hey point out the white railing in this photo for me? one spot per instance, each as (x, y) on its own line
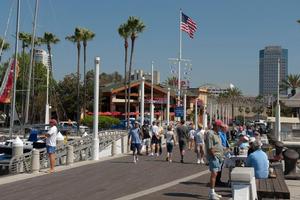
(82, 151)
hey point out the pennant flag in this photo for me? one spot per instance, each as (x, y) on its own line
(188, 25)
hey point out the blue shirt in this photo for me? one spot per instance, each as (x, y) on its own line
(134, 134)
(259, 161)
(223, 139)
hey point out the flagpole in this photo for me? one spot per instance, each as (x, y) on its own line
(179, 59)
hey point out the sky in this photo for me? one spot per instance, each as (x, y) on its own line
(224, 50)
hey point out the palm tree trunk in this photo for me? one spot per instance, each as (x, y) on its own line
(84, 78)
(125, 81)
(78, 83)
(129, 79)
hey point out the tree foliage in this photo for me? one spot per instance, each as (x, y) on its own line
(292, 82)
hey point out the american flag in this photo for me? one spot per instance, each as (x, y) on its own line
(188, 25)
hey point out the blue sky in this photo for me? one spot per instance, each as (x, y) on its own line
(224, 50)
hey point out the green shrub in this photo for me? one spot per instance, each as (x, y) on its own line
(104, 121)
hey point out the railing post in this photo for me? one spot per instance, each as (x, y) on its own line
(35, 162)
(123, 145)
(113, 147)
(17, 150)
(70, 155)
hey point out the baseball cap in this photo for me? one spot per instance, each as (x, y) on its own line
(53, 121)
(218, 122)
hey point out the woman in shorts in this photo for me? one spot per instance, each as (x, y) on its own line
(170, 140)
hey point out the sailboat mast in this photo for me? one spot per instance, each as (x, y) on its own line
(13, 99)
(31, 63)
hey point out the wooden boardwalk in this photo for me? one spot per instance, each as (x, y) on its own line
(150, 178)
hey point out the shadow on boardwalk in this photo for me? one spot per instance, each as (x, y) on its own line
(116, 178)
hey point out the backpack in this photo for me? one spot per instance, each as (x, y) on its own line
(145, 131)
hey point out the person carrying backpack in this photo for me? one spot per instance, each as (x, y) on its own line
(146, 136)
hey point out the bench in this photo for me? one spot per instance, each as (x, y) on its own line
(273, 187)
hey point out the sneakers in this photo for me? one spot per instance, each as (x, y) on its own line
(198, 161)
(134, 160)
(214, 196)
(170, 161)
(151, 154)
(202, 161)
(157, 154)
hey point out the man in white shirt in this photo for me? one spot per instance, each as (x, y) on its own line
(51, 143)
(155, 139)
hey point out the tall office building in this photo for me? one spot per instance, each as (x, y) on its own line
(41, 56)
(268, 69)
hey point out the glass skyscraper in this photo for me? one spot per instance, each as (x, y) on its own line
(268, 69)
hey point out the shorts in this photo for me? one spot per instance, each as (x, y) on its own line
(215, 165)
(135, 146)
(170, 147)
(147, 141)
(50, 149)
(198, 148)
(182, 145)
(154, 140)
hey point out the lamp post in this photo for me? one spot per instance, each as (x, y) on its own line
(151, 101)
(168, 107)
(47, 99)
(278, 125)
(142, 100)
(196, 114)
(95, 155)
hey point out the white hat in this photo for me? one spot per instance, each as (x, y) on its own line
(252, 139)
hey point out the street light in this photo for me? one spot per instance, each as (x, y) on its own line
(278, 125)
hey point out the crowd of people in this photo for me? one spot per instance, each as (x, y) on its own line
(211, 146)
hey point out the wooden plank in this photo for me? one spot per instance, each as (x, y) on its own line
(284, 191)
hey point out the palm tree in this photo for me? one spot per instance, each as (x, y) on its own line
(292, 82)
(48, 39)
(77, 38)
(124, 33)
(233, 94)
(135, 26)
(87, 35)
(26, 39)
(3, 47)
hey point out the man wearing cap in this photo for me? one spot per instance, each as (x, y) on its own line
(222, 133)
(258, 160)
(214, 151)
(51, 143)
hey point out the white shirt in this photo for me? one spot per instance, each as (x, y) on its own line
(155, 130)
(170, 137)
(51, 140)
(199, 135)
